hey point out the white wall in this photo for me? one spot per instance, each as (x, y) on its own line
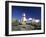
(2, 18)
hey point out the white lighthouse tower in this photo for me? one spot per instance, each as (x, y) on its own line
(23, 19)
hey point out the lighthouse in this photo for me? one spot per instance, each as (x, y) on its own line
(23, 19)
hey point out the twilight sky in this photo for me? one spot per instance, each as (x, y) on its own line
(33, 12)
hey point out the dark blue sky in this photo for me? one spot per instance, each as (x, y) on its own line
(33, 12)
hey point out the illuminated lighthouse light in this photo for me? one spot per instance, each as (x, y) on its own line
(23, 14)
